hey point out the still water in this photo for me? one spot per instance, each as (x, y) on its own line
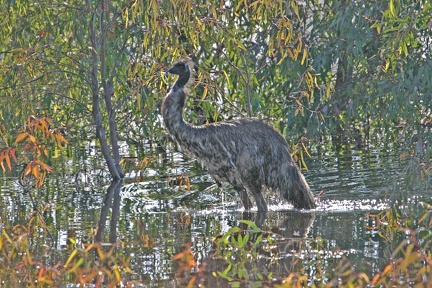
(167, 201)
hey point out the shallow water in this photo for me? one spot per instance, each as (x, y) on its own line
(173, 201)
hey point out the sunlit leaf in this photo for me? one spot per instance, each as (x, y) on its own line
(408, 260)
(32, 139)
(44, 166)
(117, 274)
(71, 256)
(28, 169)
(252, 225)
(2, 165)
(21, 137)
(77, 265)
(36, 171)
(8, 162)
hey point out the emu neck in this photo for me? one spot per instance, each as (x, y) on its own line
(181, 81)
(172, 112)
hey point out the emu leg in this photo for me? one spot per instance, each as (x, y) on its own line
(247, 204)
(260, 201)
(259, 197)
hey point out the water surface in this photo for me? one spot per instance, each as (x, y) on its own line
(171, 201)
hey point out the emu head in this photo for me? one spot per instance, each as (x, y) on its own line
(181, 69)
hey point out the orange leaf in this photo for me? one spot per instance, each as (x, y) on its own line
(388, 268)
(28, 169)
(375, 279)
(41, 272)
(48, 121)
(42, 126)
(44, 166)
(1, 163)
(179, 255)
(45, 150)
(60, 139)
(12, 153)
(36, 171)
(8, 161)
(21, 137)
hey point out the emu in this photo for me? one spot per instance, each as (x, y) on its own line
(247, 153)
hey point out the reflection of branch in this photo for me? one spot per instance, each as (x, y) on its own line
(113, 191)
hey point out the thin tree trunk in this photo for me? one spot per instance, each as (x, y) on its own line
(96, 113)
(108, 93)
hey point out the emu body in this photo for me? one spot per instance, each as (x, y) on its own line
(247, 153)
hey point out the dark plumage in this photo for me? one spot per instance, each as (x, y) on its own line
(247, 153)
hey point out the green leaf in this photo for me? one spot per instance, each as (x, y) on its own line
(251, 224)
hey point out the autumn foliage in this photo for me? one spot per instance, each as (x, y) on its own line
(33, 140)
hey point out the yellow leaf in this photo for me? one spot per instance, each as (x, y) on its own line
(290, 53)
(117, 274)
(409, 260)
(298, 49)
(302, 161)
(21, 137)
(71, 257)
(41, 180)
(101, 254)
(304, 56)
(79, 262)
(392, 8)
(204, 93)
(305, 149)
(32, 139)
(328, 92)
(227, 78)
(282, 58)
(7, 236)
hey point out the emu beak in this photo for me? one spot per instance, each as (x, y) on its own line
(168, 71)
